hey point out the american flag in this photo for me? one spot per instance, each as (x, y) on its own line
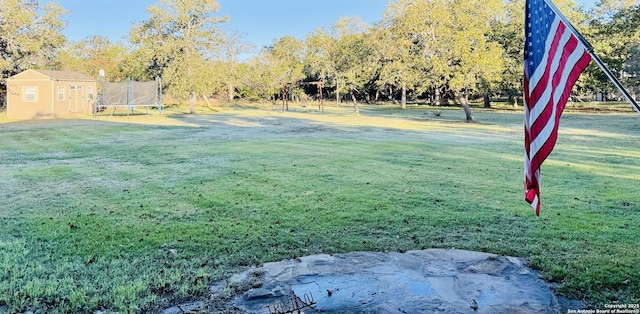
(554, 59)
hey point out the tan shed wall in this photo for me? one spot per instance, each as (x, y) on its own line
(79, 97)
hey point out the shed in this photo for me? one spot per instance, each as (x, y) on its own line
(36, 94)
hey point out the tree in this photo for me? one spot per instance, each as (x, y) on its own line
(398, 46)
(93, 54)
(508, 31)
(356, 66)
(176, 41)
(260, 80)
(345, 56)
(285, 58)
(232, 46)
(30, 36)
(272, 69)
(614, 32)
(461, 53)
(441, 45)
(320, 60)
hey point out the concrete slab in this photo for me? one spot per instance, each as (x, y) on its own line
(428, 281)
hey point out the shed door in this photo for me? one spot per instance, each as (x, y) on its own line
(76, 98)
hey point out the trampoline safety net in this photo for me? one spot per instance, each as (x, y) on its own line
(131, 93)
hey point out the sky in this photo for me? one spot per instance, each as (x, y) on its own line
(261, 21)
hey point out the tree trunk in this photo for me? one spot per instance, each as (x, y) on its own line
(465, 106)
(230, 91)
(206, 99)
(403, 100)
(437, 97)
(487, 101)
(355, 103)
(192, 103)
(285, 98)
(337, 94)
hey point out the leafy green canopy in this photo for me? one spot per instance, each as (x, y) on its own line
(176, 42)
(429, 49)
(30, 35)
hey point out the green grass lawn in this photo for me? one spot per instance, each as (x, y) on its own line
(132, 214)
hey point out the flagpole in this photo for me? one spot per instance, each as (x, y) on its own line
(594, 56)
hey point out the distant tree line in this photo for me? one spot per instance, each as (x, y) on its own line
(435, 50)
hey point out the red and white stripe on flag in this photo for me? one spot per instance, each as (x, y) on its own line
(554, 59)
